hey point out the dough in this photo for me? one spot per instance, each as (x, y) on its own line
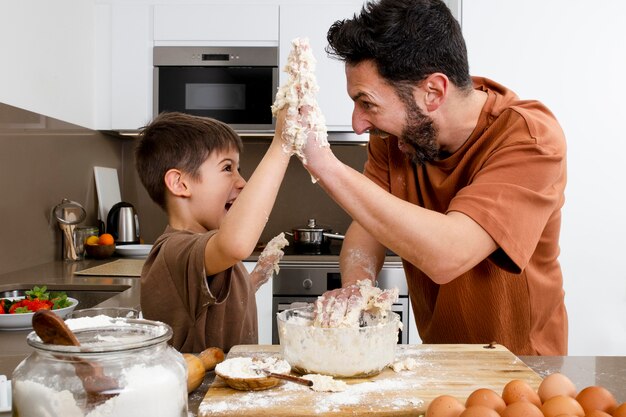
(325, 383)
(304, 119)
(367, 306)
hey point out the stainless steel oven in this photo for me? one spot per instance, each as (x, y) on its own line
(236, 85)
(304, 281)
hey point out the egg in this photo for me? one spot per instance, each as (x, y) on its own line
(444, 406)
(486, 397)
(521, 409)
(556, 384)
(597, 413)
(479, 411)
(620, 411)
(518, 390)
(562, 404)
(596, 398)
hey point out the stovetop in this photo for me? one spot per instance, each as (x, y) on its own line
(330, 257)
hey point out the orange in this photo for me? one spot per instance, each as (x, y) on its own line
(106, 239)
(92, 240)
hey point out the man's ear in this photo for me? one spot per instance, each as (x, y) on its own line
(175, 182)
(435, 87)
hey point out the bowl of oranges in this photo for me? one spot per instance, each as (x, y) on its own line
(100, 247)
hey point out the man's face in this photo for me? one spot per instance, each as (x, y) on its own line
(384, 109)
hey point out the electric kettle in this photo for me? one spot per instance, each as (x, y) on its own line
(123, 224)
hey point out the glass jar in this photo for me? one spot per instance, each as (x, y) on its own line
(123, 367)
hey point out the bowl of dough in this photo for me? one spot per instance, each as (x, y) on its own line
(350, 349)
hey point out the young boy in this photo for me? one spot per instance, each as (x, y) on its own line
(193, 278)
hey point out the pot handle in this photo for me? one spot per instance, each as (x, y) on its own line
(334, 236)
(288, 233)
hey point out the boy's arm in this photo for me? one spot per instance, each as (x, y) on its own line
(241, 228)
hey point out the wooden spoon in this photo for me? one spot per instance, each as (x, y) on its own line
(290, 378)
(52, 330)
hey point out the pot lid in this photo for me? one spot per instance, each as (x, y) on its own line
(311, 226)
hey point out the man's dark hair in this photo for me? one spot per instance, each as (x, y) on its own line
(407, 39)
(181, 141)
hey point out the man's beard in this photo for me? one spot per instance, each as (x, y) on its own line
(419, 135)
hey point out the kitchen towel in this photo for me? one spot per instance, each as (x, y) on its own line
(120, 268)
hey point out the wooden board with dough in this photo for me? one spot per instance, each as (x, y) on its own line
(455, 370)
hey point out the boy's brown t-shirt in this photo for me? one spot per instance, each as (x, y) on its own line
(509, 177)
(216, 311)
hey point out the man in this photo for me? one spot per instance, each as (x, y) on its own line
(463, 180)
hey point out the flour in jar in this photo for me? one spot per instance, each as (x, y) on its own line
(147, 391)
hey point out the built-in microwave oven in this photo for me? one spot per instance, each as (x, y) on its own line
(236, 85)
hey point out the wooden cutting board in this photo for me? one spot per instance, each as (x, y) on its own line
(455, 370)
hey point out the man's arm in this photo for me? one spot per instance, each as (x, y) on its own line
(443, 246)
(362, 256)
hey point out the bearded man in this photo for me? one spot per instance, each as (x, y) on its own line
(464, 181)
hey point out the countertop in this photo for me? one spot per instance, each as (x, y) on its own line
(609, 372)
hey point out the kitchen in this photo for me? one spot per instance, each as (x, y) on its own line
(60, 157)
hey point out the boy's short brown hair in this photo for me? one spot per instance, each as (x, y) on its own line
(180, 141)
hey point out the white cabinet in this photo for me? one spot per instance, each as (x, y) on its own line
(131, 67)
(48, 58)
(214, 23)
(313, 20)
(264, 308)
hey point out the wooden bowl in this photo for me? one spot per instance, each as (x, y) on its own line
(250, 384)
(100, 251)
(247, 375)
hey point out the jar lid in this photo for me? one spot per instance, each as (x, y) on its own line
(103, 334)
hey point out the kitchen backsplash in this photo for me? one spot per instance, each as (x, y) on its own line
(298, 199)
(44, 160)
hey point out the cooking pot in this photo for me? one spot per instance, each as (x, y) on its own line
(312, 238)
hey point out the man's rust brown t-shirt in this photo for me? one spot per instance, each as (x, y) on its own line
(509, 177)
(216, 311)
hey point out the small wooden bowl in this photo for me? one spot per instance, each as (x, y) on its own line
(100, 251)
(254, 380)
(250, 384)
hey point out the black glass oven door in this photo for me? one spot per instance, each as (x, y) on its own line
(234, 95)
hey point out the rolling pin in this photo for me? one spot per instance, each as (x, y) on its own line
(198, 365)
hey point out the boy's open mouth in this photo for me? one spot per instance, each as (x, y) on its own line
(228, 205)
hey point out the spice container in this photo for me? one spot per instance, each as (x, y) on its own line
(149, 375)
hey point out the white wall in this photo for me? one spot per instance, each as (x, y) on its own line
(571, 55)
(47, 58)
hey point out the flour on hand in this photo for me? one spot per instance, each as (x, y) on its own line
(358, 305)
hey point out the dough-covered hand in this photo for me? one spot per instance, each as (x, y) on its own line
(268, 260)
(304, 122)
(345, 307)
(337, 307)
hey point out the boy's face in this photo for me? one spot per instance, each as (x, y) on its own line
(219, 185)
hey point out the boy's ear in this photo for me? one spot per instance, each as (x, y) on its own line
(175, 182)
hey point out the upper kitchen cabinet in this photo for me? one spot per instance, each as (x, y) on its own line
(48, 58)
(313, 21)
(216, 24)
